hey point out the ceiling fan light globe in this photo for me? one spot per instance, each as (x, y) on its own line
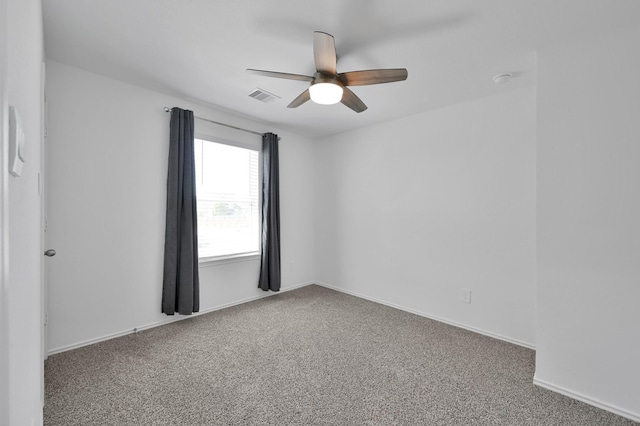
(325, 93)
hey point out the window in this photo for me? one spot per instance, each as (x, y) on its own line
(227, 190)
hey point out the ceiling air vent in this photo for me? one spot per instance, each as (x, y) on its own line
(262, 95)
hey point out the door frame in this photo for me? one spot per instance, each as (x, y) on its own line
(44, 295)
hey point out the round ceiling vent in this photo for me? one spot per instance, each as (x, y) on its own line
(502, 78)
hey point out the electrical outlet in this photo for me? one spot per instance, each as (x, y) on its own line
(466, 295)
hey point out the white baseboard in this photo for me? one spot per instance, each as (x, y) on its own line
(170, 320)
(433, 317)
(587, 400)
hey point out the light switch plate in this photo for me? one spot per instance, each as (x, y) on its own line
(16, 143)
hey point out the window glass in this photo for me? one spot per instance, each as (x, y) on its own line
(227, 189)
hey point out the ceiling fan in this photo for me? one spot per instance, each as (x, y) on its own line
(327, 85)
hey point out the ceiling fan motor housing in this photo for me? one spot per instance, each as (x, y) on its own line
(319, 77)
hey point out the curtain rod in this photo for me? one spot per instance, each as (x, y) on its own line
(222, 124)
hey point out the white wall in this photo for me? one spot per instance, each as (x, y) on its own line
(4, 223)
(588, 211)
(411, 211)
(22, 293)
(107, 161)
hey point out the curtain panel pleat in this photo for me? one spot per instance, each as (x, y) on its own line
(270, 256)
(180, 284)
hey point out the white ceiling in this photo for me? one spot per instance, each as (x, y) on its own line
(199, 49)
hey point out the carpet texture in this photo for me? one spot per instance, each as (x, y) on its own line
(311, 356)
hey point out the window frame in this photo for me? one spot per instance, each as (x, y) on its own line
(245, 256)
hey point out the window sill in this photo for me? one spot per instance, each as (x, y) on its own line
(206, 262)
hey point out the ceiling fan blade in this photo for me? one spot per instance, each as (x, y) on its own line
(302, 98)
(324, 53)
(280, 75)
(366, 77)
(352, 101)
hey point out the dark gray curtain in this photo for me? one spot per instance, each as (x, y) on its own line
(180, 286)
(270, 261)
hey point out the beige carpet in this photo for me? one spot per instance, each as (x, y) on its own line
(311, 356)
